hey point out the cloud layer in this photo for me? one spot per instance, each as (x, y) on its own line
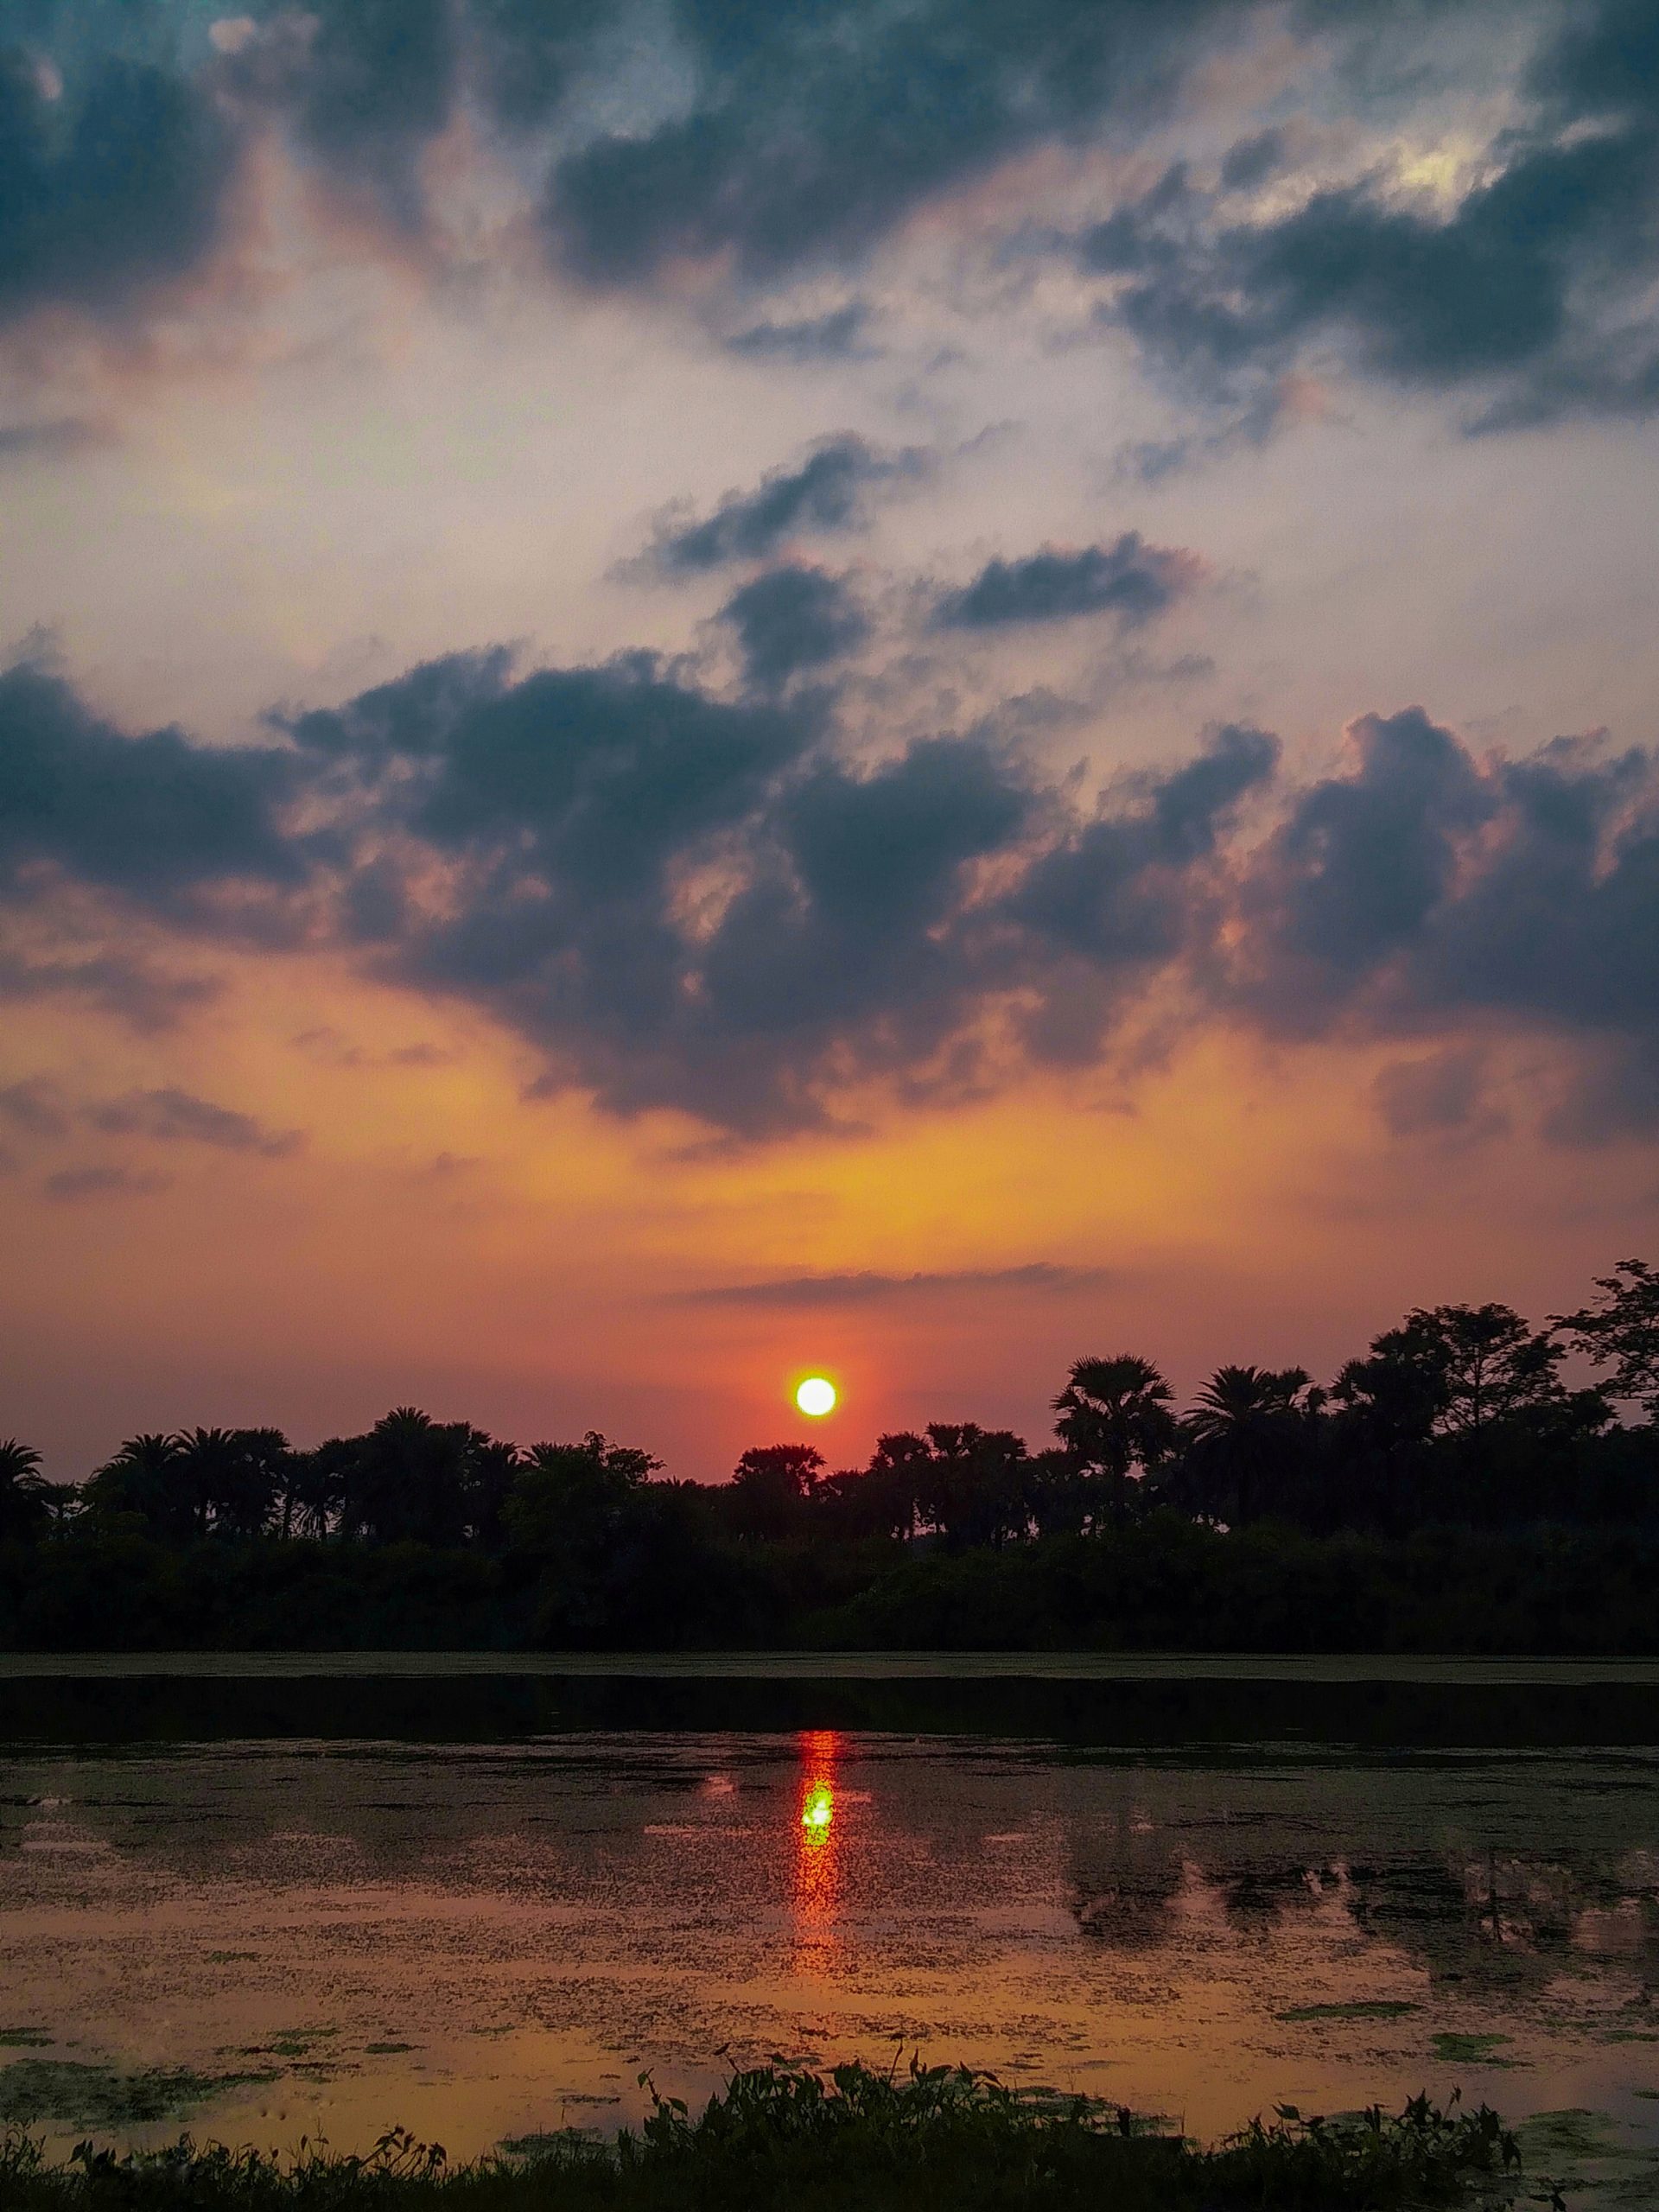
(685, 900)
(737, 152)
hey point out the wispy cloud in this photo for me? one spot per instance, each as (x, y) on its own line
(1040, 1278)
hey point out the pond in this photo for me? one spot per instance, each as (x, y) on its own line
(480, 1898)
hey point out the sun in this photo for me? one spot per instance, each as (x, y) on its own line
(816, 1396)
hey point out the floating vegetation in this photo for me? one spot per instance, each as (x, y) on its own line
(1453, 2049)
(85, 2094)
(783, 2138)
(1368, 2008)
(26, 2038)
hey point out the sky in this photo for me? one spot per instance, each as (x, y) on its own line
(705, 690)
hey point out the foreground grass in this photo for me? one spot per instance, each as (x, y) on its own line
(937, 2140)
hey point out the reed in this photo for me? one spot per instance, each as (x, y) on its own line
(785, 2138)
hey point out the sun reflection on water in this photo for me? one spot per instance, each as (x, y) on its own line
(817, 1870)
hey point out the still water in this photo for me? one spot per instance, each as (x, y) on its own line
(269, 1901)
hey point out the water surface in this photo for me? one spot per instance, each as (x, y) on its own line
(480, 1899)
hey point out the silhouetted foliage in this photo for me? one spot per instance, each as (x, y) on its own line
(1622, 1332)
(1449, 1491)
(933, 2139)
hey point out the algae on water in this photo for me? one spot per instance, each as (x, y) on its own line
(85, 2095)
(1369, 2008)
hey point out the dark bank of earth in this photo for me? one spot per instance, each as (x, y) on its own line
(1163, 1583)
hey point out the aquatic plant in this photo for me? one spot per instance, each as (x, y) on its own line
(930, 2139)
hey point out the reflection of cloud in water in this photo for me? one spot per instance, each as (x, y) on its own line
(540, 1920)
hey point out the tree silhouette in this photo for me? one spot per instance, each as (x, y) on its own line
(772, 1487)
(1115, 1415)
(413, 1479)
(973, 1483)
(24, 1503)
(1248, 1427)
(145, 1478)
(1621, 1331)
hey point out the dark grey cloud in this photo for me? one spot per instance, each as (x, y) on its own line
(1533, 293)
(1443, 1096)
(827, 492)
(837, 335)
(1425, 889)
(805, 133)
(1040, 1278)
(155, 816)
(175, 1117)
(793, 617)
(1364, 860)
(683, 900)
(815, 128)
(39, 1107)
(139, 992)
(1128, 579)
(64, 435)
(34, 1107)
(114, 185)
(1250, 161)
(76, 1185)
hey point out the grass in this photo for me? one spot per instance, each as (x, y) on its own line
(781, 2138)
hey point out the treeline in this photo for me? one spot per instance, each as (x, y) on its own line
(1447, 1490)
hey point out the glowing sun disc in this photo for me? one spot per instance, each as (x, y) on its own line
(816, 1396)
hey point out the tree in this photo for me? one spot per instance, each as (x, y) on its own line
(1622, 1332)
(25, 1507)
(1115, 1415)
(1248, 1427)
(1492, 1365)
(771, 1488)
(612, 1552)
(566, 1495)
(973, 1483)
(314, 1484)
(415, 1480)
(1451, 1370)
(232, 1477)
(145, 1478)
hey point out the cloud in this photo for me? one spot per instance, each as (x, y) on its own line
(1040, 1278)
(814, 131)
(793, 617)
(837, 335)
(154, 816)
(176, 1116)
(715, 906)
(146, 997)
(1128, 579)
(51, 441)
(74, 1185)
(1443, 1096)
(34, 1107)
(105, 188)
(826, 492)
(1532, 291)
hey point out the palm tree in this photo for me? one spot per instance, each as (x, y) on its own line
(1114, 1415)
(24, 1505)
(1244, 1429)
(145, 1477)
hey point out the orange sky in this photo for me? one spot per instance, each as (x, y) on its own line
(373, 409)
